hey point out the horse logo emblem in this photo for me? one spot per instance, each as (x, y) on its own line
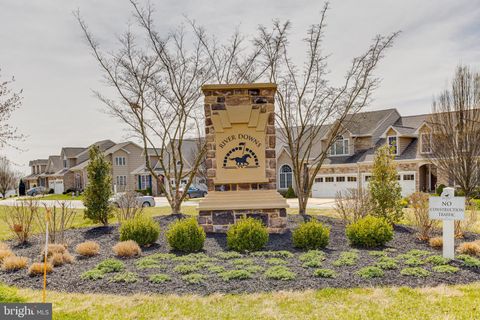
(240, 157)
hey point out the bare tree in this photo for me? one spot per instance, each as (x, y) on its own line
(353, 204)
(8, 176)
(455, 130)
(9, 102)
(307, 104)
(159, 82)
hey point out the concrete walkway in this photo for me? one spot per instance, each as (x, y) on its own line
(313, 203)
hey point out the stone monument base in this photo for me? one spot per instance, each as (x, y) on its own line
(220, 209)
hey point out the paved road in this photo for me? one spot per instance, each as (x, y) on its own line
(313, 203)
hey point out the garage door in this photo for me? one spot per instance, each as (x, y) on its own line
(406, 179)
(327, 186)
(57, 186)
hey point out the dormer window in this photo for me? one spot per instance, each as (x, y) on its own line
(426, 141)
(393, 144)
(339, 147)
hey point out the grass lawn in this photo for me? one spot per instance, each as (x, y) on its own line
(444, 302)
(60, 197)
(80, 222)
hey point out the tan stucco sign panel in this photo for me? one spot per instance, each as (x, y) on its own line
(240, 145)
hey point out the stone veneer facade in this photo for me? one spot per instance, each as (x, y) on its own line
(258, 96)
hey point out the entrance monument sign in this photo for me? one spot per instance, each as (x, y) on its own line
(241, 163)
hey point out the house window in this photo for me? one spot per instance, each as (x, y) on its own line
(65, 162)
(286, 177)
(329, 179)
(399, 177)
(352, 179)
(339, 147)
(120, 161)
(319, 179)
(144, 182)
(426, 139)
(393, 144)
(340, 179)
(367, 178)
(121, 180)
(409, 177)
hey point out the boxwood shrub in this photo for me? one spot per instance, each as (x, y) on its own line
(186, 235)
(142, 230)
(369, 232)
(247, 235)
(311, 235)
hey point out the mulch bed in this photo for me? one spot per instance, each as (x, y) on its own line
(67, 278)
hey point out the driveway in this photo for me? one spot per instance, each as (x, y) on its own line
(313, 203)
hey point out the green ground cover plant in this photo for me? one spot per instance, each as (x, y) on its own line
(228, 255)
(347, 258)
(186, 268)
(325, 273)
(469, 261)
(159, 278)
(275, 261)
(194, 278)
(273, 254)
(110, 265)
(312, 258)
(126, 277)
(93, 274)
(149, 263)
(238, 274)
(437, 260)
(415, 272)
(387, 263)
(279, 273)
(445, 269)
(370, 272)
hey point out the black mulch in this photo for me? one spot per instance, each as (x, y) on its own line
(67, 277)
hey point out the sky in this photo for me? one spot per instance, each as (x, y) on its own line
(41, 44)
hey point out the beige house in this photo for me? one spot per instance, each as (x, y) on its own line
(351, 157)
(34, 179)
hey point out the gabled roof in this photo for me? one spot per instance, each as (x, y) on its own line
(72, 152)
(54, 164)
(365, 123)
(38, 162)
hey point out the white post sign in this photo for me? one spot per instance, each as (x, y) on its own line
(448, 208)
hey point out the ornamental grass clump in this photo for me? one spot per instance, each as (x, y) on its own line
(247, 235)
(470, 248)
(311, 235)
(88, 249)
(37, 269)
(186, 235)
(436, 242)
(143, 230)
(369, 232)
(127, 249)
(14, 263)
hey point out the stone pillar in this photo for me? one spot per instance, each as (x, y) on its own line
(241, 163)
